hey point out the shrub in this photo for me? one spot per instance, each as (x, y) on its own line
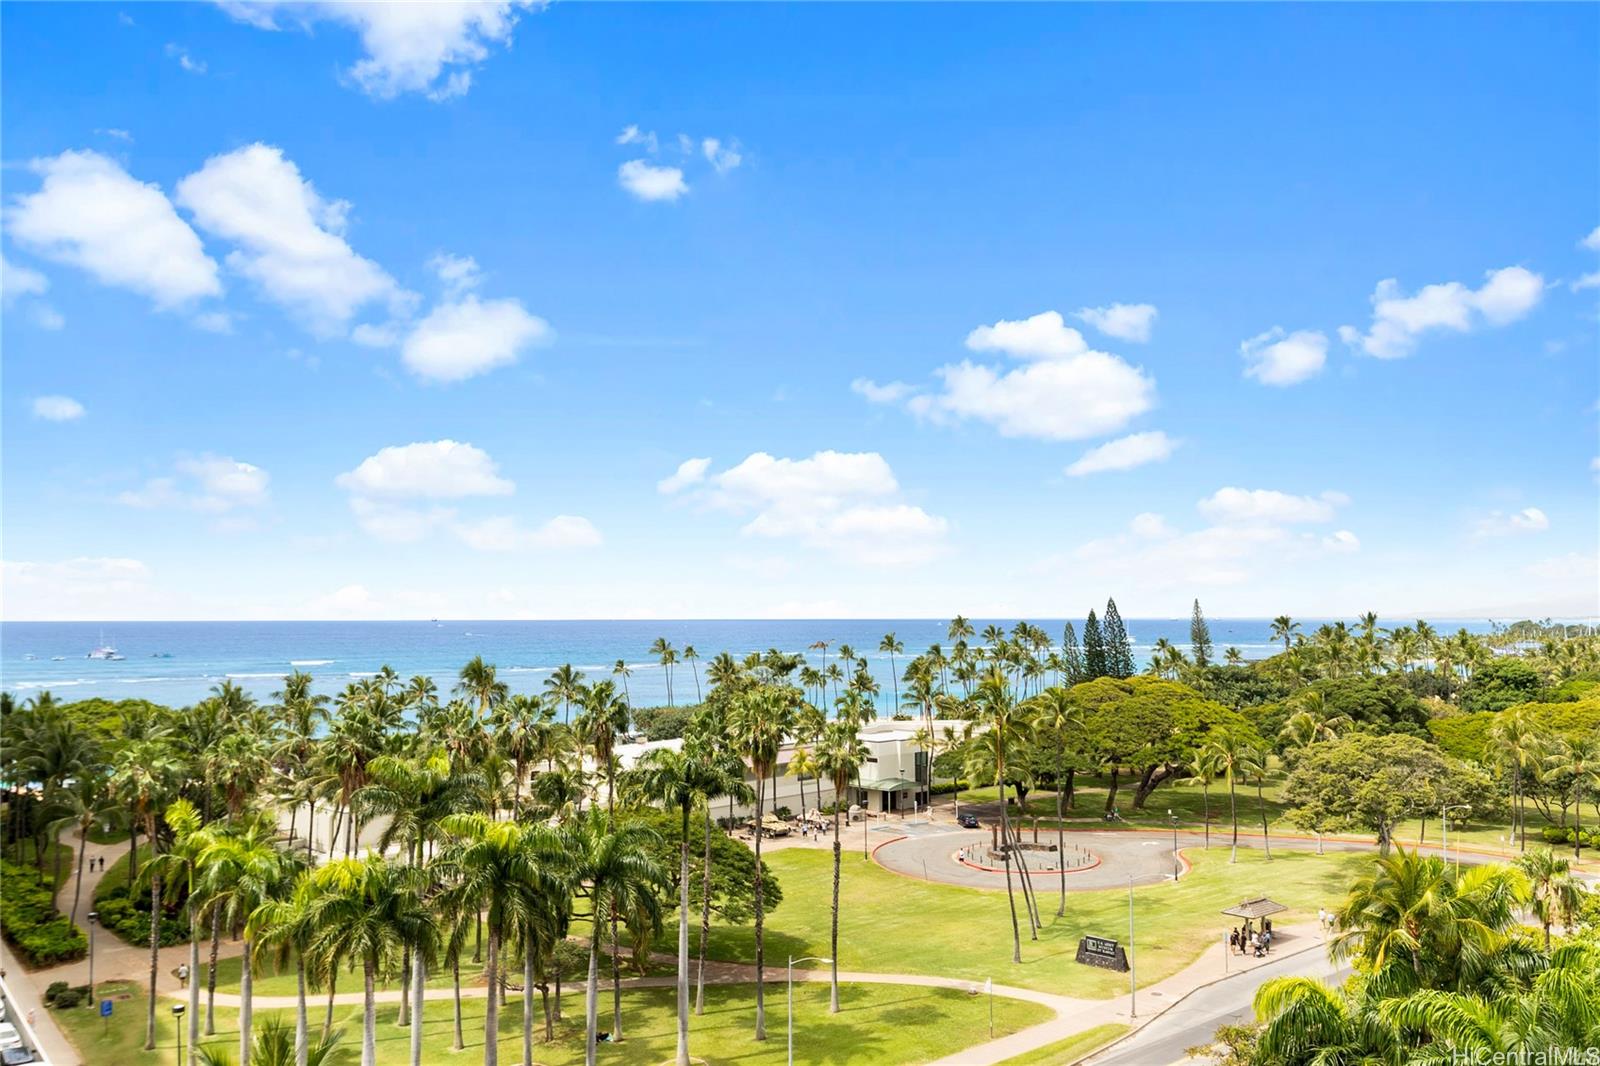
(69, 998)
(28, 919)
(54, 990)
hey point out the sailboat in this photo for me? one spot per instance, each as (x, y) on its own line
(105, 651)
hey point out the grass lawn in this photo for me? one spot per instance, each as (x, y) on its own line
(1069, 1050)
(878, 1024)
(894, 924)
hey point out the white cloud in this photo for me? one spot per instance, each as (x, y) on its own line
(1044, 336)
(504, 534)
(839, 502)
(397, 523)
(214, 322)
(1342, 540)
(722, 158)
(210, 483)
(689, 472)
(1129, 322)
(84, 587)
(57, 408)
(1150, 526)
(428, 48)
(185, 60)
(1087, 395)
(18, 281)
(47, 317)
(1399, 320)
(1587, 281)
(471, 336)
(347, 599)
(439, 469)
(633, 135)
(1279, 358)
(1573, 567)
(117, 134)
(457, 273)
(1500, 524)
(893, 392)
(646, 181)
(1592, 241)
(1257, 506)
(289, 238)
(1125, 453)
(90, 214)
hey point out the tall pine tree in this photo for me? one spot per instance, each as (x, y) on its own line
(1072, 657)
(1119, 657)
(1200, 637)
(1094, 649)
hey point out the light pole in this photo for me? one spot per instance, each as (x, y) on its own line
(792, 961)
(94, 919)
(177, 1023)
(1133, 985)
(1174, 818)
(1444, 828)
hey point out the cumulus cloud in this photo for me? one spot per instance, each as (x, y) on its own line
(893, 392)
(289, 239)
(649, 182)
(1592, 241)
(1342, 540)
(81, 587)
(844, 503)
(1086, 395)
(1129, 322)
(458, 274)
(1124, 453)
(722, 157)
(185, 60)
(428, 48)
(57, 409)
(347, 599)
(1502, 524)
(1279, 358)
(438, 469)
(1399, 320)
(505, 534)
(210, 483)
(19, 281)
(1235, 505)
(91, 214)
(1044, 336)
(631, 134)
(689, 472)
(471, 336)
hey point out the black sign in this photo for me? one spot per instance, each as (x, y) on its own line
(1106, 954)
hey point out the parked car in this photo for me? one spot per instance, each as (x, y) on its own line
(9, 1037)
(16, 1056)
(967, 820)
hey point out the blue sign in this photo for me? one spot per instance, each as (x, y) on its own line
(105, 1008)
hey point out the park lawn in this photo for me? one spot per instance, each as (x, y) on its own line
(1071, 1049)
(877, 1024)
(1188, 802)
(894, 924)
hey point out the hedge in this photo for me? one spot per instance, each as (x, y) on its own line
(126, 911)
(29, 921)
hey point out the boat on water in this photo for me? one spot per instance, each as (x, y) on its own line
(106, 652)
(30, 656)
(58, 658)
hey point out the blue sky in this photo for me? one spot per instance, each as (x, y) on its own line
(318, 311)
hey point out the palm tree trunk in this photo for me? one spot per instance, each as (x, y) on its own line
(193, 1013)
(311, 827)
(761, 922)
(591, 1000)
(491, 1013)
(246, 1006)
(327, 1014)
(1061, 846)
(1005, 834)
(1266, 842)
(683, 942)
(405, 986)
(211, 974)
(527, 1001)
(455, 984)
(1233, 811)
(833, 940)
(155, 954)
(302, 1041)
(369, 1014)
(705, 922)
(419, 979)
(77, 893)
(1205, 792)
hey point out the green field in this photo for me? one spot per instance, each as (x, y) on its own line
(1069, 1050)
(878, 1023)
(894, 924)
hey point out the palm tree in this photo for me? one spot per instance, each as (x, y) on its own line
(1203, 769)
(894, 646)
(611, 868)
(679, 779)
(840, 754)
(180, 871)
(144, 775)
(281, 925)
(1284, 628)
(1554, 891)
(477, 682)
(621, 669)
(363, 910)
(1579, 757)
(690, 656)
(760, 718)
(84, 803)
(1061, 720)
(1255, 763)
(1007, 726)
(1226, 755)
(1518, 743)
(666, 655)
(239, 870)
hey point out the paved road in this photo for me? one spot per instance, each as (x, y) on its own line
(1193, 1021)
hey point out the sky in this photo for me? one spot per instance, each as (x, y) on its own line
(601, 311)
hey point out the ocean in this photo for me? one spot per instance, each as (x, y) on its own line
(178, 663)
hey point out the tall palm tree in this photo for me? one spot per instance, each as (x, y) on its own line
(1256, 763)
(144, 776)
(894, 646)
(181, 870)
(240, 868)
(1203, 769)
(363, 910)
(83, 804)
(666, 655)
(1553, 890)
(611, 868)
(1520, 745)
(679, 779)
(840, 754)
(477, 682)
(564, 684)
(1006, 732)
(1061, 719)
(1284, 628)
(1227, 755)
(621, 669)
(1580, 758)
(690, 656)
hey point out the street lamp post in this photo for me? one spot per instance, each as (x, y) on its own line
(94, 919)
(792, 961)
(177, 1023)
(1174, 818)
(1444, 829)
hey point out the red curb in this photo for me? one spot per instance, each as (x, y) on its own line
(1050, 873)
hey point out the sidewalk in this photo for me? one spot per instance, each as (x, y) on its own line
(25, 997)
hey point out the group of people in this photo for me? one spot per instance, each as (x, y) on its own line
(1325, 919)
(1250, 940)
